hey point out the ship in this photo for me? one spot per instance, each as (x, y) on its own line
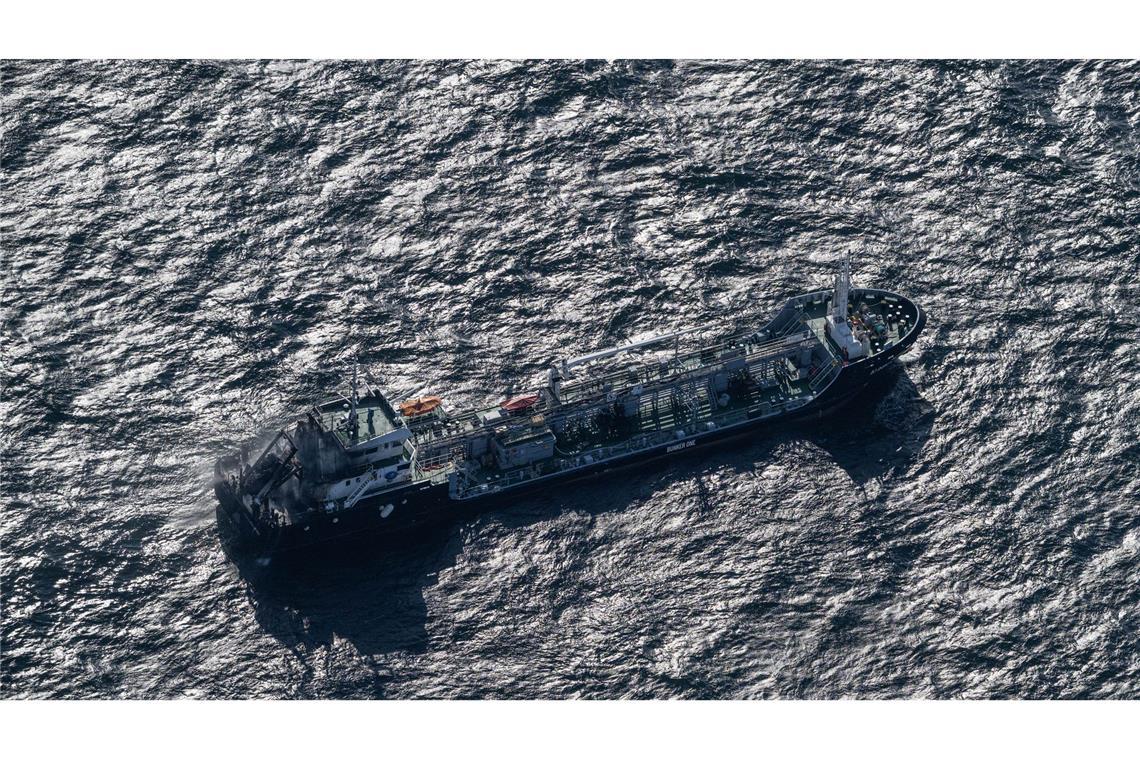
(359, 466)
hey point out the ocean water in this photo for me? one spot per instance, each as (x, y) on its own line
(194, 251)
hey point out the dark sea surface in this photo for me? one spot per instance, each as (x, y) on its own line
(193, 252)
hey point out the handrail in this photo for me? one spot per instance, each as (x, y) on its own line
(763, 348)
(606, 353)
(764, 352)
(828, 373)
(768, 350)
(358, 492)
(466, 484)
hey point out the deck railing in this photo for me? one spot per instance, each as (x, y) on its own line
(473, 480)
(823, 379)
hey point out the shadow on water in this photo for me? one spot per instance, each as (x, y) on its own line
(879, 439)
(880, 432)
(877, 434)
(372, 594)
(369, 595)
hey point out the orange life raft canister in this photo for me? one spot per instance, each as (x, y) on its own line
(519, 403)
(414, 407)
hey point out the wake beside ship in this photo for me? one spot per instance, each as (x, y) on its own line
(359, 464)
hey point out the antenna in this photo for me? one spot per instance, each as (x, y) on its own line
(355, 401)
(355, 395)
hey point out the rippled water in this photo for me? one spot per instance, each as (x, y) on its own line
(194, 251)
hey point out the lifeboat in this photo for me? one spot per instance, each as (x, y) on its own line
(519, 403)
(414, 407)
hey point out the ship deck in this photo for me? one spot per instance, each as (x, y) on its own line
(767, 394)
(897, 317)
(653, 426)
(374, 419)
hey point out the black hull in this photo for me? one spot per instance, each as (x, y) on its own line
(418, 507)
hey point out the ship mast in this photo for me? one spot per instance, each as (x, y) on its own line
(842, 287)
(352, 427)
(837, 325)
